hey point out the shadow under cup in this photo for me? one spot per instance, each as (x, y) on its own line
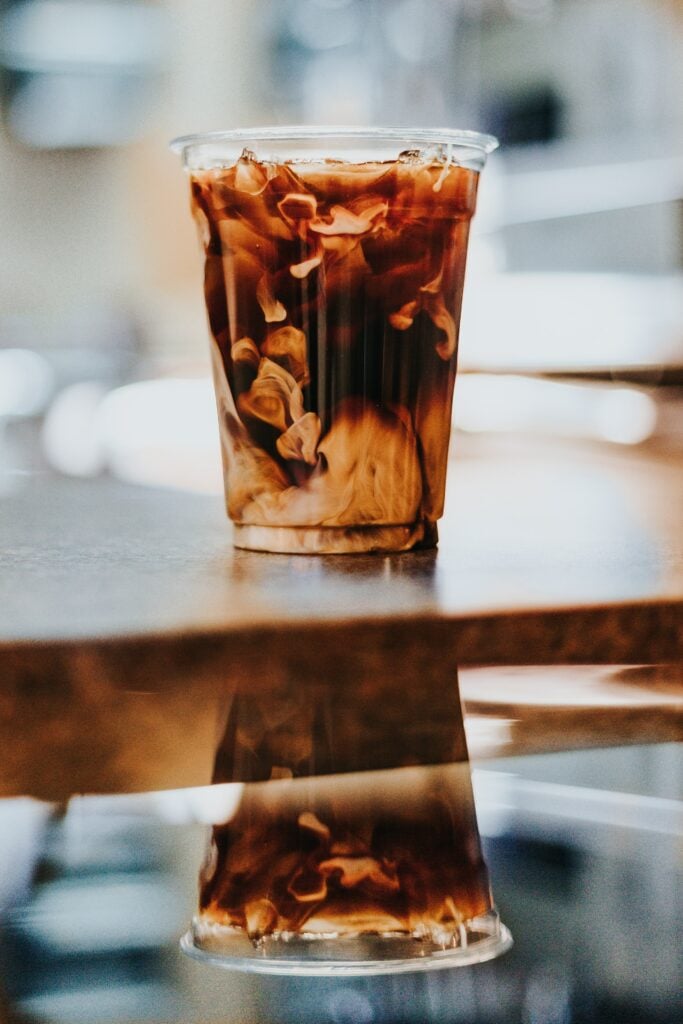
(345, 840)
(333, 279)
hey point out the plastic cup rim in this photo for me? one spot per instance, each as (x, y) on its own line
(474, 140)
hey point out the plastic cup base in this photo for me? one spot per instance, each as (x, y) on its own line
(481, 939)
(346, 540)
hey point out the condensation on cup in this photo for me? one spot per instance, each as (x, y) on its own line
(333, 279)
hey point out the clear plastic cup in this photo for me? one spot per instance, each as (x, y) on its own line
(333, 279)
(348, 840)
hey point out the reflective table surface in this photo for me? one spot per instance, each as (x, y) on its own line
(553, 607)
(126, 616)
(584, 856)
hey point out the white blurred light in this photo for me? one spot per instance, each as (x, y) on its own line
(163, 432)
(110, 1001)
(487, 735)
(204, 805)
(110, 913)
(49, 35)
(559, 192)
(70, 440)
(503, 800)
(625, 416)
(485, 403)
(542, 322)
(195, 805)
(26, 382)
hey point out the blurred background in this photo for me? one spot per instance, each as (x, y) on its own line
(578, 242)
(572, 333)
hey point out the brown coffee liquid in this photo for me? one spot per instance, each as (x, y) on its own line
(355, 816)
(386, 852)
(333, 293)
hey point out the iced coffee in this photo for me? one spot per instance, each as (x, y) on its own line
(365, 858)
(350, 836)
(333, 289)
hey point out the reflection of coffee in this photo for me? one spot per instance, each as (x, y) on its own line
(374, 853)
(355, 816)
(333, 292)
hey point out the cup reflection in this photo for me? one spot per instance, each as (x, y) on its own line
(321, 863)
